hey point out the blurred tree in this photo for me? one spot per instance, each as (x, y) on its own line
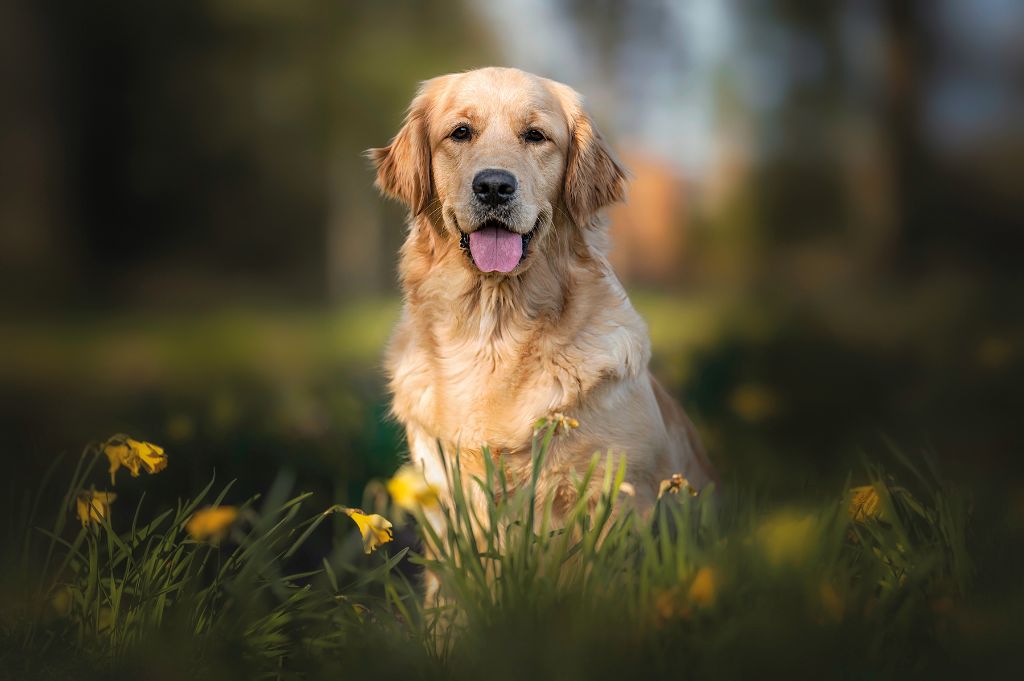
(187, 152)
(32, 255)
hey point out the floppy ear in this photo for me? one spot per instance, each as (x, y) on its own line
(593, 178)
(403, 167)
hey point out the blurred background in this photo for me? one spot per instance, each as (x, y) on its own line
(823, 230)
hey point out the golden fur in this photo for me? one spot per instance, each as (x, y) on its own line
(478, 357)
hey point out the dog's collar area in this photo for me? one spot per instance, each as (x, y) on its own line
(527, 238)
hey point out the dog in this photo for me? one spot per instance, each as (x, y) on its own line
(511, 310)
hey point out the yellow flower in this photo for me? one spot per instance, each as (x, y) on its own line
(93, 506)
(785, 537)
(117, 452)
(152, 456)
(703, 588)
(133, 455)
(563, 424)
(211, 523)
(675, 485)
(410, 489)
(864, 503)
(376, 530)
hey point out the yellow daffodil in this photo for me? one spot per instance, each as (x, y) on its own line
(785, 537)
(211, 524)
(410, 489)
(864, 503)
(117, 453)
(676, 484)
(93, 506)
(133, 455)
(152, 456)
(563, 424)
(376, 530)
(703, 588)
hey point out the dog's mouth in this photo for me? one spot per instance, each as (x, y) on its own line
(493, 247)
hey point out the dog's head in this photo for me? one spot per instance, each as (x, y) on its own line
(498, 159)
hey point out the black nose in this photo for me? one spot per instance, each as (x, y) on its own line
(494, 187)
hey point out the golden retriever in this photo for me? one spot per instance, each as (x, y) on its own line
(511, 310)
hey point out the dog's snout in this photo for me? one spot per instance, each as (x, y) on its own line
(494, 187)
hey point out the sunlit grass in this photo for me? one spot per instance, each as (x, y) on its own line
(138, 348)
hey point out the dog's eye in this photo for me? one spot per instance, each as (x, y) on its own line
(534, 135)
(461, 133)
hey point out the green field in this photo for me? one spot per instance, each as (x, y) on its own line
(768, 576)
(726, 584)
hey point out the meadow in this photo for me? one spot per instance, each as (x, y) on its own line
(872, 581)
(255, 521)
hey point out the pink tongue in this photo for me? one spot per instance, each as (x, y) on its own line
(495, 249)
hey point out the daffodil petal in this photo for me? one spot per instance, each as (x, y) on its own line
(211, 523)
(375, 529)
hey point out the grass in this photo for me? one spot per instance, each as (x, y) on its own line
(721, 585)
(122, 351)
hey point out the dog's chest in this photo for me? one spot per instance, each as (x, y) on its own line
(474, 389)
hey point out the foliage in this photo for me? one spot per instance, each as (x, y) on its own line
(716, 585)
